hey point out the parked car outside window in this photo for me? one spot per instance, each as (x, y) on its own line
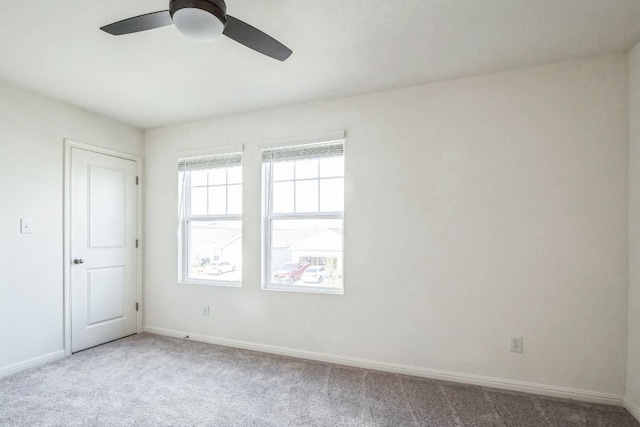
(315, 274)
(220, 267)
(290, 272)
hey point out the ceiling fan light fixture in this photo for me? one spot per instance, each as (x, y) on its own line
(202, 20)
(199, 20)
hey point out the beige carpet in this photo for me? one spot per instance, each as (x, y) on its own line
(148, 380)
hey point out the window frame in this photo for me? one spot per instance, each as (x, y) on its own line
(268, 216)
(186, 220)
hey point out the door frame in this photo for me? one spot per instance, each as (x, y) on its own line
(69, 145)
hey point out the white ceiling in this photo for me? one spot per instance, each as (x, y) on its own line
(340, 48)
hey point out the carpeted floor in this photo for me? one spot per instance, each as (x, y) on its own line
(148, 380)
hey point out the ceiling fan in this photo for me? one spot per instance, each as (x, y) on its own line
(203, 20)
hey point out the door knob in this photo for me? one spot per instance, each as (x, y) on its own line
(78, 261)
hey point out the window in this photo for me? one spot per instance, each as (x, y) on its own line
(303, 217)
(211, 219)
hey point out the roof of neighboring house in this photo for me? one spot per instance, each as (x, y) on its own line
(285, 238)
(212, 233)
(234, 241)
(327, 239)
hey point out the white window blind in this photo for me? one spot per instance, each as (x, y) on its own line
(304, 151)
(209, 162)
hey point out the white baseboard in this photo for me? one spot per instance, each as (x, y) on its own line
(31, 363)
(633, 409)
(540, 389)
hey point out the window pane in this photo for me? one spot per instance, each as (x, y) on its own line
(306, 169)
(283, 197)
(198, 178)
(199, 201)
(283, 171)
(218, 176)
(234, 175)
(332, 195)
(212, 251)
(307, 196)
(218, 200)
(215, 251)
(234, 199)
(332, 166)
(307, 244)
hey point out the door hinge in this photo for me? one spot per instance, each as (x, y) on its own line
(136, 243)
(137, 307)
(137, 180)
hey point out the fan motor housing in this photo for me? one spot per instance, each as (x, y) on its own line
(215, 7)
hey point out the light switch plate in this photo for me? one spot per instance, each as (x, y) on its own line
(26, 226)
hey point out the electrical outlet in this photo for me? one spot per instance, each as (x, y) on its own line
(516, 344)
(205, 310)
(26, 226)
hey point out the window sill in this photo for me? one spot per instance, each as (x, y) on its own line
(303, 289)
(210, 283)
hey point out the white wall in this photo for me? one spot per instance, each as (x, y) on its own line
(32, 132)
(633, 357)
(476, 209)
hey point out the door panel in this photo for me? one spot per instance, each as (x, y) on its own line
(105, 294)
(107, 204)
(103, 235)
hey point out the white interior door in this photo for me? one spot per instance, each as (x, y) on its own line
(103, 271)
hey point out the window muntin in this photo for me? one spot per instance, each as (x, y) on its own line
(211, 223)
(304, 209)
(216, 191)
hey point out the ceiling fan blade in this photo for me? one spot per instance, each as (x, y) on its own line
(139, 23)
(255, 39)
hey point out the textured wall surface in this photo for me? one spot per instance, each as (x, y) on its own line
(476, 210)
(633, 358)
